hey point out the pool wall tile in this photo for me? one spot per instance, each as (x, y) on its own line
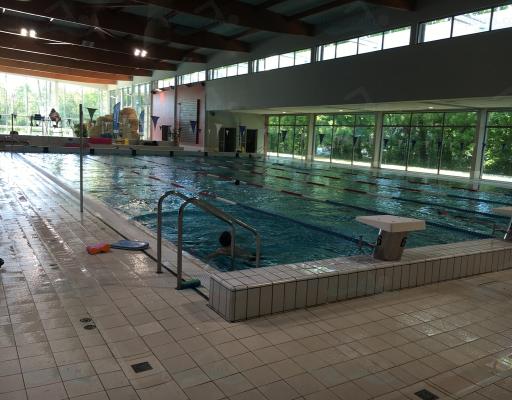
(435, 270)
(456, 267)
(240, 305)
(388, 279)
(352, 285)
(323, 287)
(413, 275)
(253, 302)
(290, 293)
(428, 272)
(420, 277)
(332, 291)
(343, 287)
(301, 294)
(362, 280)
(379, 280)
(278, 298)
(223, 299)
(443, 269)
(278, 291)
(266, 300)
(406, 271)
(370, 282)
(312, 292)
(397, 277)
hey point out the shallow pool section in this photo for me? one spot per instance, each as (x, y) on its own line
(303, 212)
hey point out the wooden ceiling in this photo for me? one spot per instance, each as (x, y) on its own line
(91, 41)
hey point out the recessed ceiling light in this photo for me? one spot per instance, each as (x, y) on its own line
(143, 53)
(24, 32)
(32, 33)
(136, 52)
(340, 110)
(284, 112)
(431, 108)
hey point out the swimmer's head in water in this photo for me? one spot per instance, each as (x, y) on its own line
(237, 182)
(225, 239)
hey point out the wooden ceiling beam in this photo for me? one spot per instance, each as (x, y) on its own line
(406, 5)
(70, 63)
(53, 75)
(90, 38)
(114, 20)
(237, 13)
(60, 49)
(63, 70)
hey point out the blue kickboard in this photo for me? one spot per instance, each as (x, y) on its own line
(129, 245)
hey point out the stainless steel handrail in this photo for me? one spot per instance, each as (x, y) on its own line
(216, 212)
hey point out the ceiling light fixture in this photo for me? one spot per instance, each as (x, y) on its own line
(140, 52)
(28, 33)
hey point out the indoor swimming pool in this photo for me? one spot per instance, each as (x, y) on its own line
(303, 212)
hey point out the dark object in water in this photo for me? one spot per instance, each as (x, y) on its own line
(237, 182)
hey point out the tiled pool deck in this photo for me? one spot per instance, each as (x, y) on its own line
(452, 338)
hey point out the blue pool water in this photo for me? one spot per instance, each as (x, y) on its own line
(294, 229)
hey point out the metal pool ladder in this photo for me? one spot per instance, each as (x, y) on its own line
(208, 208)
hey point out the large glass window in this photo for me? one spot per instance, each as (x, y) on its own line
(498, 147)
(470, 23)
(345, 138)
(29, 97)
(288, 135)
(432, 142)
(365, 44)
(436, 30)
(502, 17)
(466, 24)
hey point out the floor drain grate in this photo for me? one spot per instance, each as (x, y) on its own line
(426, 395)
(142, 367)
(90, 327)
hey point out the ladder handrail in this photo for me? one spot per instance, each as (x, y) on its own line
(208, 208)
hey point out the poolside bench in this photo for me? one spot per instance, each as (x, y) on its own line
(507, 212)
(393, 232)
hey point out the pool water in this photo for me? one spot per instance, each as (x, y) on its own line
(303, 212)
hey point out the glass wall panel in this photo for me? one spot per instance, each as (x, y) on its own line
(425, 148)
(436, 30)
(397, 38)
(273, 139)
(346, 48)
(288, 135)
(498, 148)
(352, 138)
(394, 148)
(457, 153)
(370, 43)
(430, 142)
(502, 17)
(470, 23)
(342, 144)
(363, 145)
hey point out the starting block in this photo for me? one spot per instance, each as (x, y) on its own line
(393, 232)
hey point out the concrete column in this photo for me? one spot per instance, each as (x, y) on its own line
(478, 153)
(377, 140)
(310, 154)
